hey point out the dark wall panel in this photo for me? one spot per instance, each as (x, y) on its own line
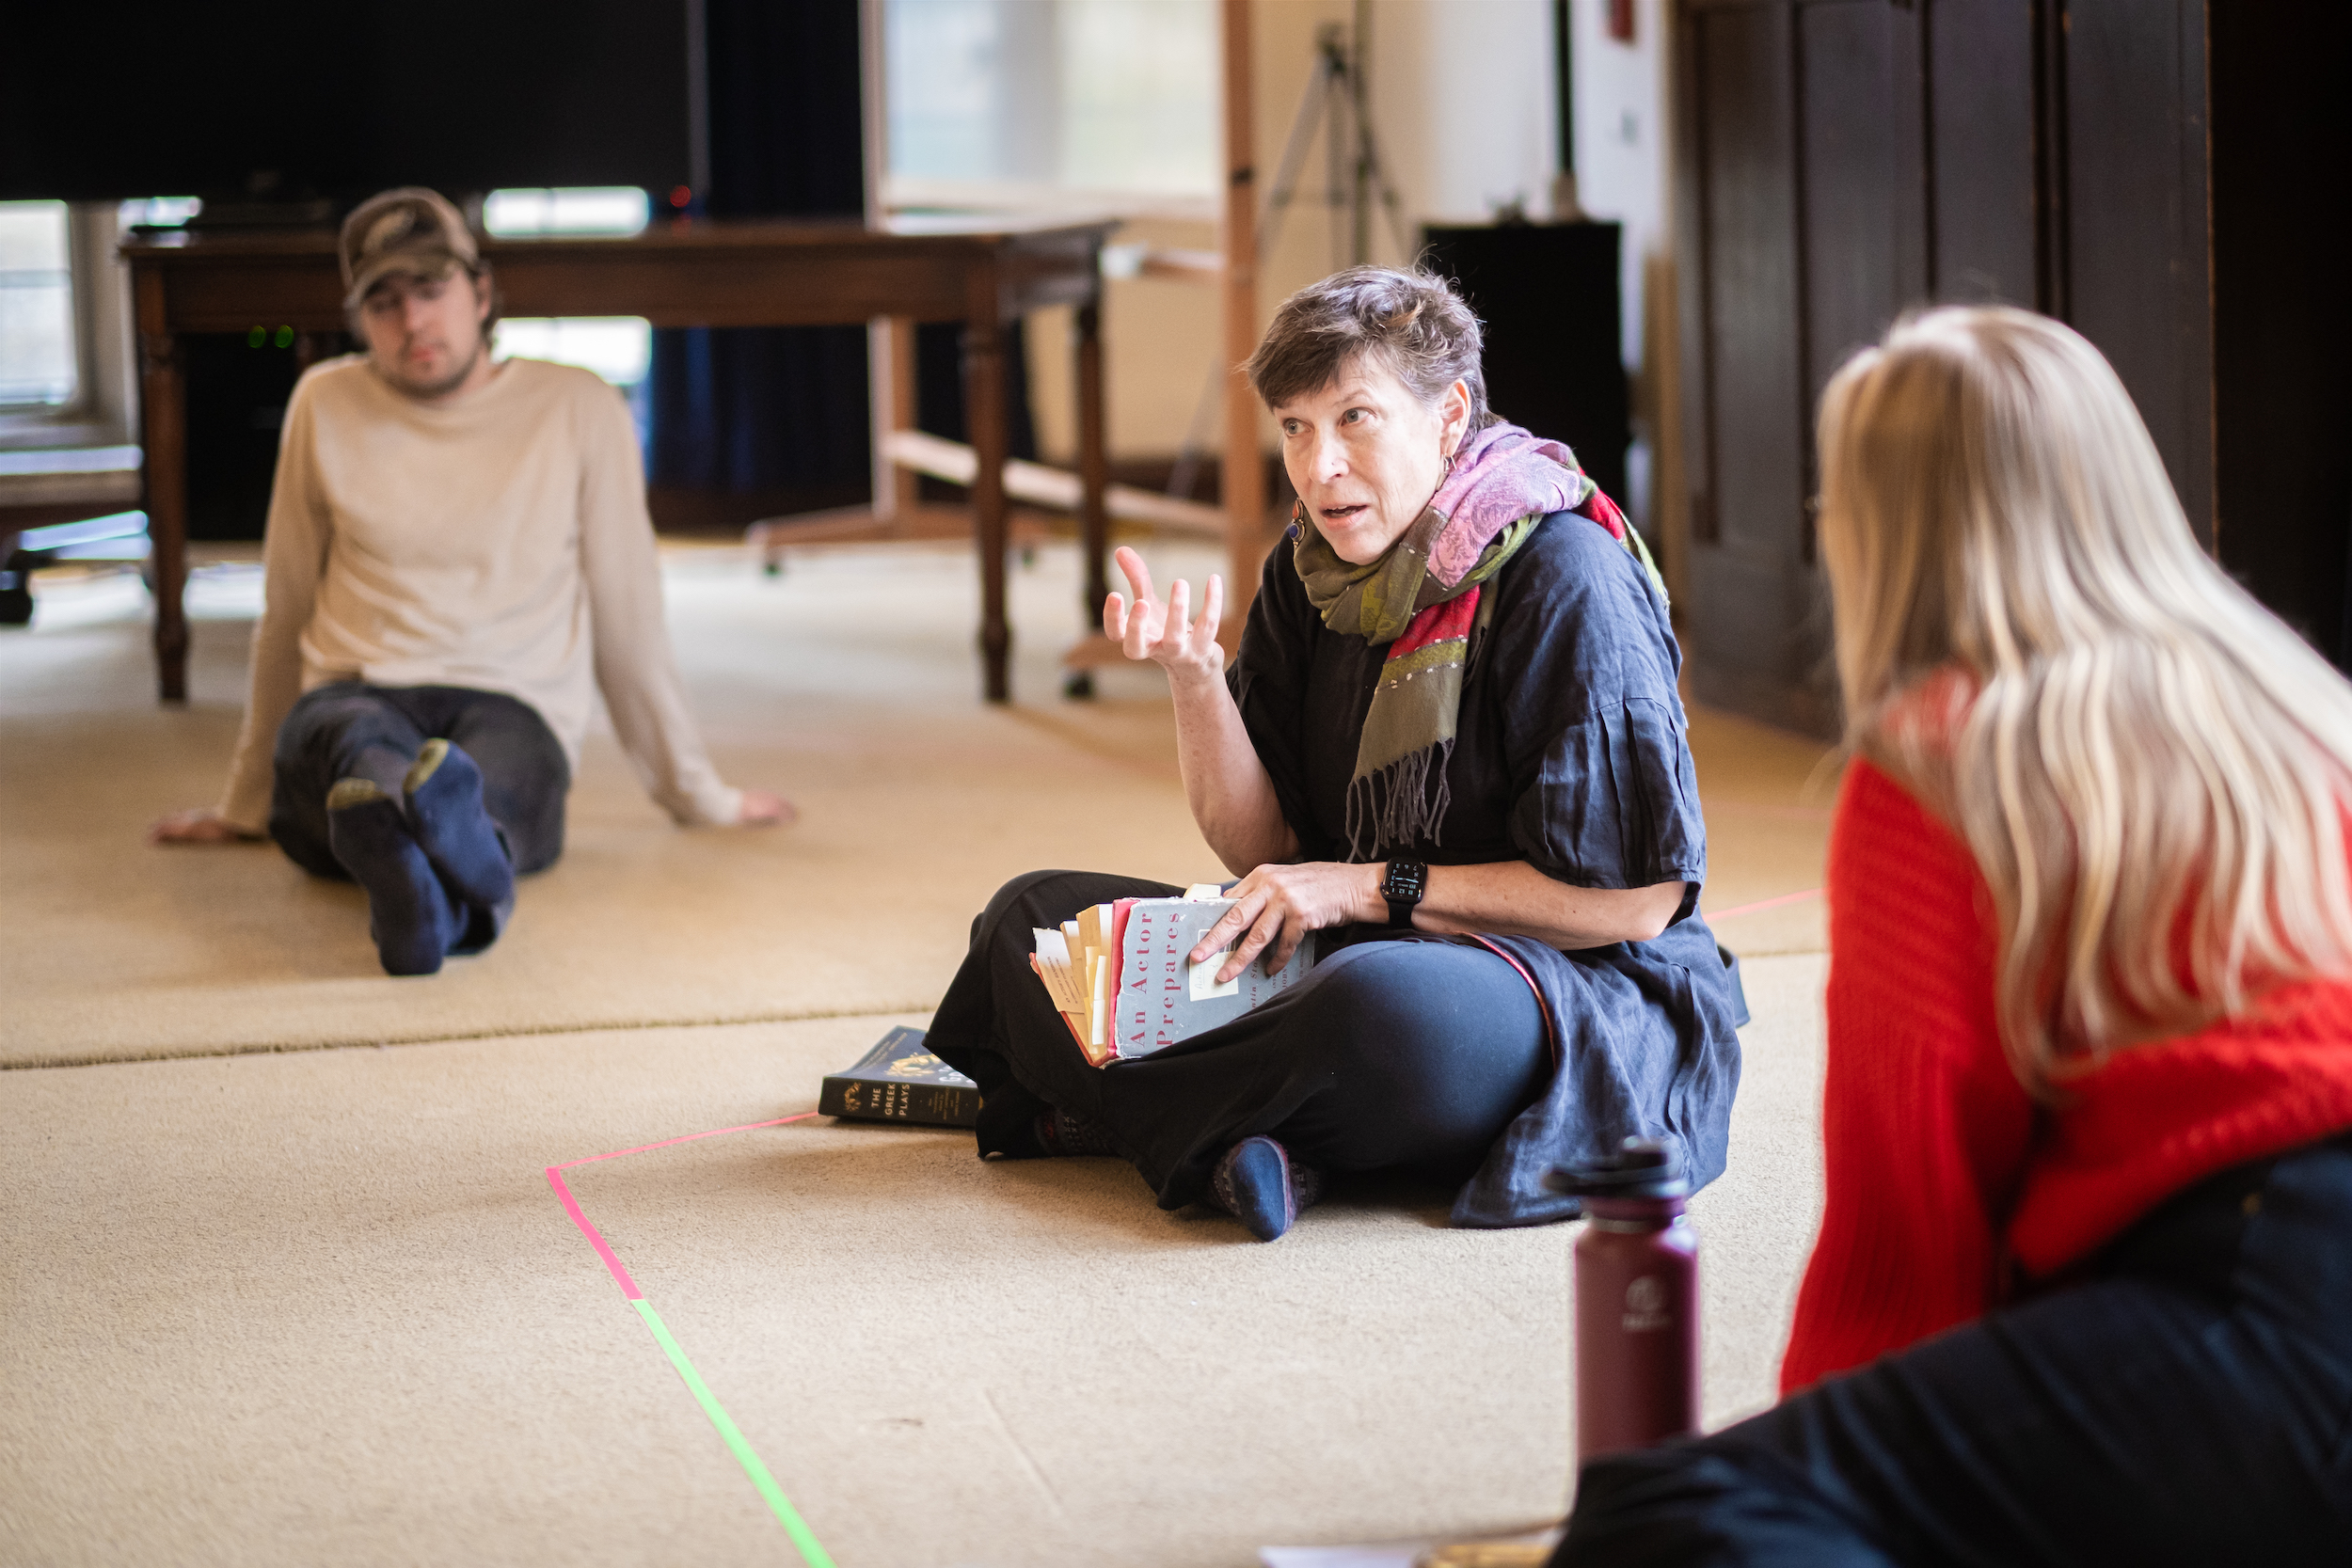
(2282, 316)
(2138, 283)
(1863, 239)
(2108, 162)
(1757, 635)
(1751, 278)
(1980, 125)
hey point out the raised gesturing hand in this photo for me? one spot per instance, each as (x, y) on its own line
(1164, 633)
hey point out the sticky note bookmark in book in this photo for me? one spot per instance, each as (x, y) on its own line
(1054, 967)
(1120, 975)
(1094, 930)
(1204, 982)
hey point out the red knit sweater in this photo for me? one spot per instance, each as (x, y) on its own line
(1925, 1130)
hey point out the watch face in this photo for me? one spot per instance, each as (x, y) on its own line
(1404, 879)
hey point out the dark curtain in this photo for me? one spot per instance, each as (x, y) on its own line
(772, 408)
(784, 408)
(939, 386)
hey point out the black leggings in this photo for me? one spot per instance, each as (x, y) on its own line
(2189, 1404)
(1414, 1054)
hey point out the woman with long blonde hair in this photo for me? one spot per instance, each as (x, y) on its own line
(2083, 1289)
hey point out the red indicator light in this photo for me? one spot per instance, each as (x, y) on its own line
(680, 196)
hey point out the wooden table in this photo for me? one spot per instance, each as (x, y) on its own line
(703, 273)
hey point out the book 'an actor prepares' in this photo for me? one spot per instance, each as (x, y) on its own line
(1122, 973)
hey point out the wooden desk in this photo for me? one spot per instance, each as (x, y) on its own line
(763, 273)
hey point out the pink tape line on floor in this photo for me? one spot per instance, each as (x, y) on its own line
(596, 1238)
(714, 1132)
(1763, 904)
(813, 1554)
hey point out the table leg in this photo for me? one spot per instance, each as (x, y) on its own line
(163, 418)
(890, 376)
(984, 413)
(1094, 465)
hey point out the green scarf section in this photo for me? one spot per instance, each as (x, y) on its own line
(1415, 710)
(1377, 602)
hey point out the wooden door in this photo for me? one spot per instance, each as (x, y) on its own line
(1754, 622)
(1838, 162)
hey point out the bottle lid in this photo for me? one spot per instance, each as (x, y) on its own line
(1643, 1167)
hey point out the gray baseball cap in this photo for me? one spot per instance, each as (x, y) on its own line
(410, 229)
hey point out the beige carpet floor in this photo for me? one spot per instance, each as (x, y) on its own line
(273, 1305)
(324, 1308)
(847, 683)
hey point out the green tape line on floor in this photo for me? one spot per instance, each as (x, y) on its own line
(814, 1554)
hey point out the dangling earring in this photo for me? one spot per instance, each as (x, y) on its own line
(1299, 519)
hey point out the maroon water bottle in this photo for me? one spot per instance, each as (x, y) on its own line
(1637, 1300)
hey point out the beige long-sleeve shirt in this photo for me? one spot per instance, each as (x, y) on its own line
(498, 543)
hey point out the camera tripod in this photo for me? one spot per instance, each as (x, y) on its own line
(1335, 105)
(1335, 100)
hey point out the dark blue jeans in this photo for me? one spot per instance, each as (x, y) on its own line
(2189, 1401)
(351, 730)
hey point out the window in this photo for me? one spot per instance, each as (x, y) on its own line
(40, 362)
(572, 210)
(618, 348)
(157, 211)
(1045, 102)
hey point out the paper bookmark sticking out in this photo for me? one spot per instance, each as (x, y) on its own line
(1204, 981)
(1204, 975)
(1099, 1002)
(1059, 974)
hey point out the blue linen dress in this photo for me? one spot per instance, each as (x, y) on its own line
(1570, 755)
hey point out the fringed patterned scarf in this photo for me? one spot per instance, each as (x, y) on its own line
(1423, 600)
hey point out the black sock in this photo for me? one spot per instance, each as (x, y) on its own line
(1059, 1132)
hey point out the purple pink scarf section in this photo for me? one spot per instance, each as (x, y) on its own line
(1501, 474)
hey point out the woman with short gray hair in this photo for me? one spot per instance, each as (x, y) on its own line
(1451, 744)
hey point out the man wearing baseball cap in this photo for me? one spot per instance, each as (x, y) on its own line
(458, 560)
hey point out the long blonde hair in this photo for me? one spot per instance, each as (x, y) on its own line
(2150, 769)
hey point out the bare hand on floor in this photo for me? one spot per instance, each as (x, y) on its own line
(763, 809)
(200, 825)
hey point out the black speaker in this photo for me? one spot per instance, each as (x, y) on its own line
(1547, 294)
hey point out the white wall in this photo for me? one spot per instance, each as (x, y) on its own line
(1620, 138)
(1463, 96)
(1463, 110)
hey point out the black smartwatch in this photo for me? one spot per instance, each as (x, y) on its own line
(1403, 887)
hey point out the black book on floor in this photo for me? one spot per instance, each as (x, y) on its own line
(899, 1080)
